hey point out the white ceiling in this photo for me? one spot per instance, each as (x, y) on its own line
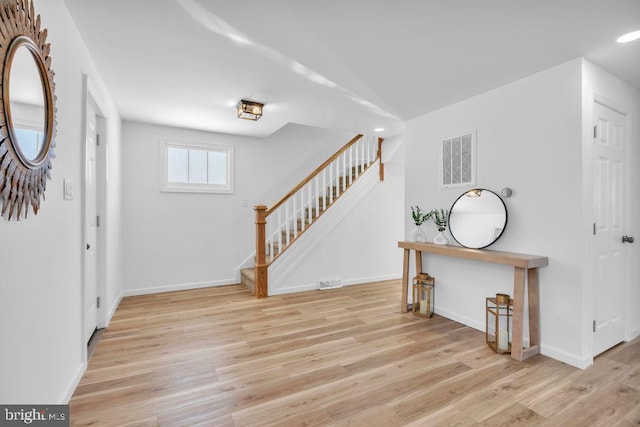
(341, 64)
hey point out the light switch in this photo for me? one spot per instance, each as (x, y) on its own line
(68, 189)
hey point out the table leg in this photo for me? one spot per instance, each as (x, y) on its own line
(534, 309)
(418, 262)
(405, 281)
(518, 312)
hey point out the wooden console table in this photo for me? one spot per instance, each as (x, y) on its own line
(523, 266)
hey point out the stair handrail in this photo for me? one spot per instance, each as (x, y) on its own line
(313, 175)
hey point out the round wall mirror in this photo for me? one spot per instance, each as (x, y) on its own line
(477, 218)
(27, 122)
(27, 95)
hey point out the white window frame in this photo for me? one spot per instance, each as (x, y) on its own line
(181, 187)
(472, 183)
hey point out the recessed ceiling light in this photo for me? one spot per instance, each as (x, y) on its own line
(629, 37)
(378, 130)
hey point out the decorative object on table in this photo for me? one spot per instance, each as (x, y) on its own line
(422, 304)
(27, 128)
(441, 218)
(477, 218)
(419, 218)
(499, 318)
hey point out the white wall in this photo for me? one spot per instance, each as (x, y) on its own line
(40, 258)
(528, 139)
(180, 240)
(599, 83)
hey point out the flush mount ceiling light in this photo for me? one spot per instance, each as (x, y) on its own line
(249, 110)
(378, 130)
(629, 37)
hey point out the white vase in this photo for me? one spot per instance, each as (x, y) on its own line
(440, 239)
(417, 235)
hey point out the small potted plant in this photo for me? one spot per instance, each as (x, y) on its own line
(419, 218)
(441, 218)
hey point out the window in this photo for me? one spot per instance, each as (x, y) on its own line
(196, 168)
(458, 155)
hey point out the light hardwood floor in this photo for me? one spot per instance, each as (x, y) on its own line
(218, 357)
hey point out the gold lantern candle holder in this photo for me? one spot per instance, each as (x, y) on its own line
(422, 304)
(499, 317)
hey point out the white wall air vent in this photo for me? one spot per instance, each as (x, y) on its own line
(458, 161)
(329, 284)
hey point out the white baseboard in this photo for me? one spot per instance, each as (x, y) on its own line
(349, 282)
(73, 383)
(294, 289)
(176, 287)
(568, 358)
(112, 310)
(634, 334)
(363, 280)
(549, 351)
(457, 317)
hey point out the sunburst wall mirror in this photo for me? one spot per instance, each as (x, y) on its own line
(27, 122)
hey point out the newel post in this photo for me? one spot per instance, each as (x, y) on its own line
(261, 257)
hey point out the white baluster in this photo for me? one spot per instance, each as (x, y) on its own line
(293, 215)
(337, 178)
(350, 171)
(286, 223)
(356, 161)
(374, 149)
(317, 197)
(368, 151)
(361, 156)
(360, 151)
(279, 230)
(332, 178)
(324, 189)
(301, 215)
(269, 242)
(309, 205)
(314, 199)
(329, 183)
(344, 171)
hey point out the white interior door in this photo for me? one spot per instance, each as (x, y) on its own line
(609, 260)
(90, 232)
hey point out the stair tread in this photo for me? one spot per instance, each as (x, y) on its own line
(250, 273)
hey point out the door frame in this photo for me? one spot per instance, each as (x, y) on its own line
(588, 208)
(91, 96)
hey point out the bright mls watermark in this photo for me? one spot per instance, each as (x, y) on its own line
(36, 415)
